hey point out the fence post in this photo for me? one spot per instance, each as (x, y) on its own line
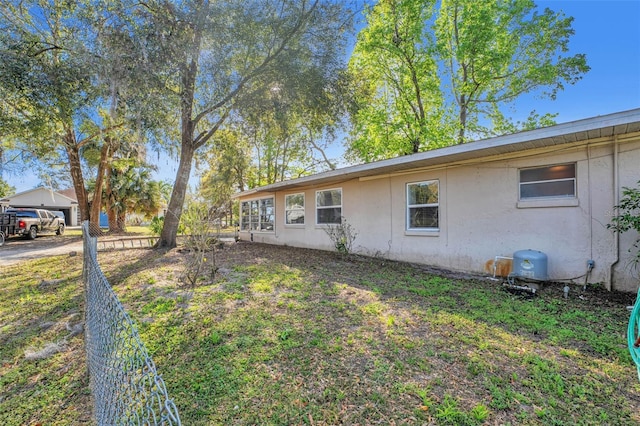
(89, 248)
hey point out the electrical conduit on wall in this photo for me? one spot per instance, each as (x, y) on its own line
(616, 201)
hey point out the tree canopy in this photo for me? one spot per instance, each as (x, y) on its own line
(73, 89)
(398, 101)
(222, 58)
(84, 84)
(438, 73)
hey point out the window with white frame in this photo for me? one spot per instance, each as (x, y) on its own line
(557, 181)
(257, 215)
(422, 205)
(329, 206)
(294, 209)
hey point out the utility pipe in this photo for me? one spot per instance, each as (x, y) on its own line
(495, 262)
(616, 197)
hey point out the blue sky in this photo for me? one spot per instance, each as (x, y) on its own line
(608, 32)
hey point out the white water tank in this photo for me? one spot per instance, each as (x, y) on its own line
(530, 264)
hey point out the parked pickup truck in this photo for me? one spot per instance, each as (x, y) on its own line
(31, 222)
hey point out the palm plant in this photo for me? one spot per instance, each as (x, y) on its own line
(130, 189)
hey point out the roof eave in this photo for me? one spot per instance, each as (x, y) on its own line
(571, 132)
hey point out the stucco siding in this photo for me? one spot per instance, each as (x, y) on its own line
(480, 219)
(481, 216)
(374, 229)
(427, 246)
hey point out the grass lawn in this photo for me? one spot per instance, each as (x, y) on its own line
(287, 336)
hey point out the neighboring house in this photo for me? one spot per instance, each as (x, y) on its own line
(551, 189)
(44, 198)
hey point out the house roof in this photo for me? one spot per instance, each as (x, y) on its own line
(69, 193)
(605, 126)
(40, 189)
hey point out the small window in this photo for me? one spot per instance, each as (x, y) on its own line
(23, 213)
(548, 182)
(294, 209)
(329, 206)
(257, 215)
(245, 216)
(422, 205)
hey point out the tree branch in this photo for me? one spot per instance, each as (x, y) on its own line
(203, 137)
(260, 68)
(86, 140)
(324, 155)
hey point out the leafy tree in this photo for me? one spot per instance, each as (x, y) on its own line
(284, 144)
(130, 189)
(17, 113)
(281, 135)
(6, 189)
(399, 107)
(436, 76)
(73, 86)
(165, 189)
(494, 51)
(220, 57)
(48, 79)
(228, 165)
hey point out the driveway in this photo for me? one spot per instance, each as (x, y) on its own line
(17, 250)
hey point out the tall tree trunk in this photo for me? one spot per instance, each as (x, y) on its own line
(463, 119)
(76, 174)
(122, 220)
(189, 73)
(174, 210)
(96, 203)
(109, 203)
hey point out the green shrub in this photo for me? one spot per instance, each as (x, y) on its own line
(628, 216)
(156, 225)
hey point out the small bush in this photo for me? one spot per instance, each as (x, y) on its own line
(200, 242)
(342, 236)
(156, 225)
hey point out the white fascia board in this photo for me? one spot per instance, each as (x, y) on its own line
(546, 136)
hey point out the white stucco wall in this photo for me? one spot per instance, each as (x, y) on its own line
(480, 215)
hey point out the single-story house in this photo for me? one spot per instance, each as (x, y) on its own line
(551, 190)
(43, 198)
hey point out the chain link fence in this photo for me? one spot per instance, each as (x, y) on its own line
(125, 385)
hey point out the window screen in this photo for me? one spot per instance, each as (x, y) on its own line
(548, 182)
